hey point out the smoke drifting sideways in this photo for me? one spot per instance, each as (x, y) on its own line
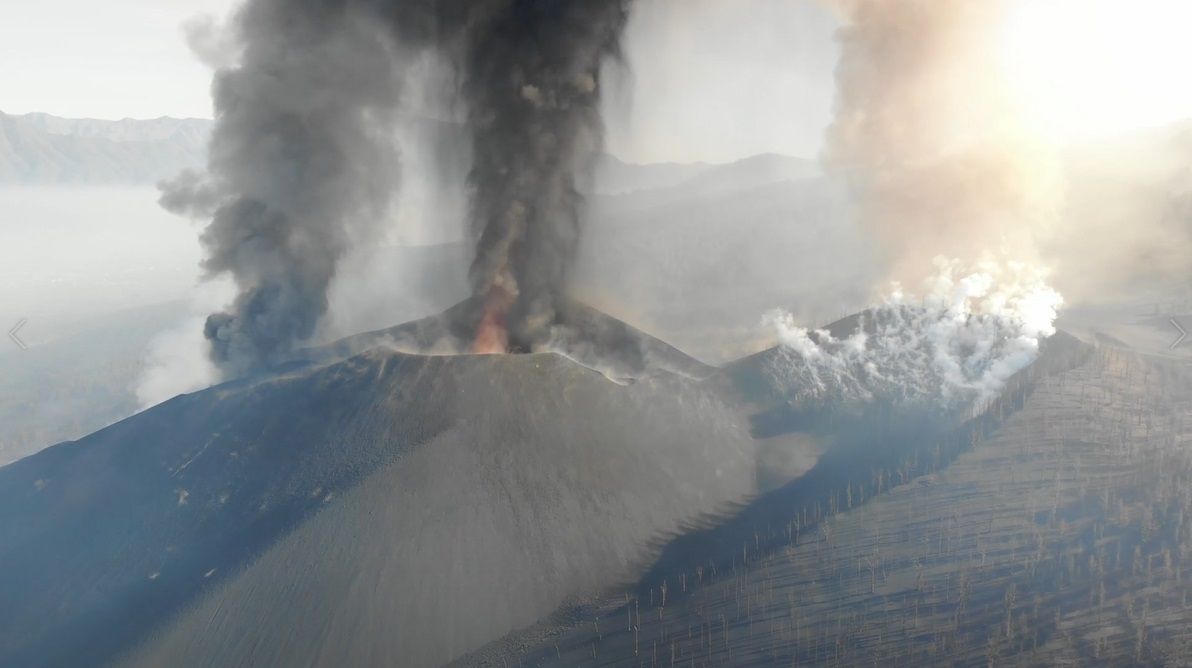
(942, 147)
(940, 164)
(304, 166)
(931, 139)
(951, 348)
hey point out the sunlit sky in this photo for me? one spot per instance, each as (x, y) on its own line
(1089, 68)
(711, 80)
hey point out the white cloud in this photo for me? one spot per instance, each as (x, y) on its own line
(971, 330)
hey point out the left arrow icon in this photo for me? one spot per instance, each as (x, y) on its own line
(12, 334)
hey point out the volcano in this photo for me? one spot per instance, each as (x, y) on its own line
(364, 504)
(1050, 529)
(390, 499)
(580, 332)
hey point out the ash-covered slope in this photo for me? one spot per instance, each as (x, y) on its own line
(903, 368)
(590, 337)
(1060, 537)
(368, 506)
(387, 508)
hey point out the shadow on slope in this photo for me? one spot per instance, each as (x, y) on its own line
(1060, 538)
(381, 508)
(867, 454)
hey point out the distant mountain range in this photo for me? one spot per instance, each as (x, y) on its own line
(655, 231)
(189, 131)
(40, 149)
(616, 177)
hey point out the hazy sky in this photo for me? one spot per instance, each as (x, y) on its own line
(711, 80)
(721, 79)
(111, 59)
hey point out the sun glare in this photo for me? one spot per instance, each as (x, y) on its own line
(1089, 68)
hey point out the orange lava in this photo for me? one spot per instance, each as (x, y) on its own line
(492, 335)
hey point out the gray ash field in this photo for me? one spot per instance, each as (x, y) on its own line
(1057, 536)
(517, 336)
(362, 505)
(383, 508)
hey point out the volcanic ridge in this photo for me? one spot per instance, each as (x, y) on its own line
(393, 499)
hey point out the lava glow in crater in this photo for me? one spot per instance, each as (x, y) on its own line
(492, 334)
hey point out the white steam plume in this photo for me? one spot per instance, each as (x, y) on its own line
(955, 346)
(179, 360)
(938, 156)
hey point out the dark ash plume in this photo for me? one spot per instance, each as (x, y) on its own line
(303, 163)
(532, 84)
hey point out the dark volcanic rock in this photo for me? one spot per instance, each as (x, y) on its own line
(380, 510)
(1059, 535)
(363, 505)
(761, 381)
(590, 337)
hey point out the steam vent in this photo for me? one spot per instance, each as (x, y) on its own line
(368, 503)
(596, 333)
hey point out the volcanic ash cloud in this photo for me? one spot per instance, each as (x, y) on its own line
(939, 160)
(304, 165)
(532, 86)
(931, 139)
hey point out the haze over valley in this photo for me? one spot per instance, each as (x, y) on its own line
(595, 333)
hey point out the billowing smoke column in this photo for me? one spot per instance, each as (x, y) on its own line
(940, 165)
(303, 163)
(929, 135)
(532, 84)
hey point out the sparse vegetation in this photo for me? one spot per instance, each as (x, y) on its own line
(1061, 537)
